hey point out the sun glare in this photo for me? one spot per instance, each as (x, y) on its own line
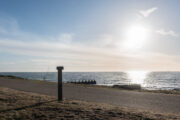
(135, 37)
(137, 77)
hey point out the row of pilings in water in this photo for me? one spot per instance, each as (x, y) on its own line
(89, 82)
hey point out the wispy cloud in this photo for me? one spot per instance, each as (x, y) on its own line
(146, 13)
(64, 49)
(167, 33)
(78, 57)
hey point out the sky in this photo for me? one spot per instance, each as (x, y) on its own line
(89, 35)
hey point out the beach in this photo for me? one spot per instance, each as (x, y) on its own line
(83, 102)
(89, 60)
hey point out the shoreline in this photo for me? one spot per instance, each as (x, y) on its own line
(177, 92)
(168, 87)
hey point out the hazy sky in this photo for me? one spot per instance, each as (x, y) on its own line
(89, 35)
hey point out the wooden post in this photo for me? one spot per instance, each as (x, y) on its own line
(60, 90)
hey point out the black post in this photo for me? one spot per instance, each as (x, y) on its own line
(60, 90)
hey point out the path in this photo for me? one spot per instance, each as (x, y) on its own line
(156, 102)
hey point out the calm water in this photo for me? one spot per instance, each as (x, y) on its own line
(148, 80)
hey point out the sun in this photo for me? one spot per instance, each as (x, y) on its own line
(135, 37)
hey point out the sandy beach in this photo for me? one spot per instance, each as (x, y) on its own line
(89, 60)
(21, 105)
(157, 105)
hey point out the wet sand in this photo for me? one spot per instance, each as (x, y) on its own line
(147, 101)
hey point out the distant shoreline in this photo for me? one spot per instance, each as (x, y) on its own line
(147, 81)
(103, 86)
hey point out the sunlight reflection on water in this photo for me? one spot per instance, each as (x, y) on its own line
(137, 77)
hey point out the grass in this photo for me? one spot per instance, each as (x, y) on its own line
(18, 105)
(10, 76)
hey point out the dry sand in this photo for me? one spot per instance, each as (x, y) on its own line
(21, 105)
(155, 102)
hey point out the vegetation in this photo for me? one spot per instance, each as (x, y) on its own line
(20, 105)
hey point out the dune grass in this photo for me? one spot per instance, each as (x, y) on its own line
(20, 105)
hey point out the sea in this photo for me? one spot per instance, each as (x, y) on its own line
(147, 80)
